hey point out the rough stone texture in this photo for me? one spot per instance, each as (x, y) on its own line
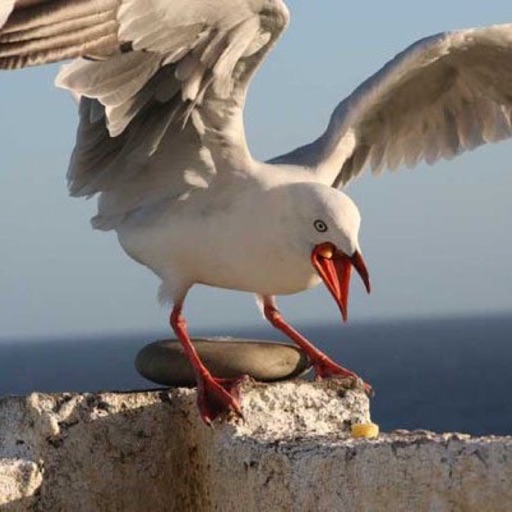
(18, 479)
(420, 472)
(149, 451)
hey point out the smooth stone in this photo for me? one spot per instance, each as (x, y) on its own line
(164, 362)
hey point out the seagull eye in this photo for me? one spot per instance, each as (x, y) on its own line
(320, 226)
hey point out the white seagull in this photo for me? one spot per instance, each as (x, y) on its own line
(162, 87)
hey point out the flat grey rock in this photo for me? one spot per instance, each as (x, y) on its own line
(164, 362)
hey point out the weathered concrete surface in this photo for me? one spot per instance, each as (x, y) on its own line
(149, 451)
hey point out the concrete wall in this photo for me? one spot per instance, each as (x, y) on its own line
(149, 451)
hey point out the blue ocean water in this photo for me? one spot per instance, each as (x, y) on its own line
(440, 374)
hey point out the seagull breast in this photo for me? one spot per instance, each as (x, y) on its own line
(240, 236)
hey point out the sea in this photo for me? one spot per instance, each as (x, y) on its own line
(440, 374)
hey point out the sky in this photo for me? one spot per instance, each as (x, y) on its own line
(437, 240)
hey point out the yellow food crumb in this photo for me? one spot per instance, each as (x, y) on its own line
(365, 430)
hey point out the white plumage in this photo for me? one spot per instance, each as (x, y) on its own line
(161, 137)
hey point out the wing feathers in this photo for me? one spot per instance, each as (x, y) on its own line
(116, 83)
(156, 116)
(52, 13)
(76, 36)
(445, 94)
(53, 31)
(238, 41)
(164, 96)
(6, 8)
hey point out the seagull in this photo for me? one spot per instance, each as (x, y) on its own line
(161, 142)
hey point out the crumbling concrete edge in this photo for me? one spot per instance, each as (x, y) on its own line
(149, 451)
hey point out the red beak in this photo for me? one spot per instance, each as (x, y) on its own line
(335, 267)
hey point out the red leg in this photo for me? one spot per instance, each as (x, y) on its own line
(324, 367)
(214, 396)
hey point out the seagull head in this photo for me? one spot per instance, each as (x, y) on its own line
(328, 235)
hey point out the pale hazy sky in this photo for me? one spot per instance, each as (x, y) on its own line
(438, 241)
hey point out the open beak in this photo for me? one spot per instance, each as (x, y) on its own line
(335, 267)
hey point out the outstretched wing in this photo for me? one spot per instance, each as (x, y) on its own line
(444, 95)
(162, 83)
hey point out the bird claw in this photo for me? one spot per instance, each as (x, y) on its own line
(217, 396)
(326, 369)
